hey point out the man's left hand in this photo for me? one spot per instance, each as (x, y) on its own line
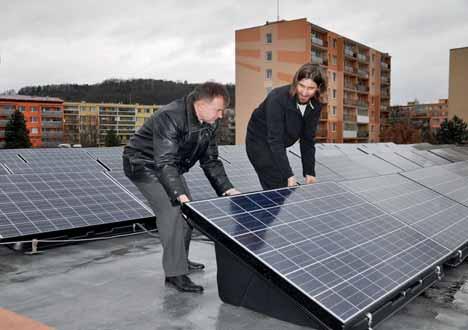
(231, 192)
(309, 179)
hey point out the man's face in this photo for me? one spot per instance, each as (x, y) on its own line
(305, 90)
(209, 112)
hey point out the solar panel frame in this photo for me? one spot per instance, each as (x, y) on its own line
(220, 235)
(37, 205)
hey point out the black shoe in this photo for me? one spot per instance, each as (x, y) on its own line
(183, 283)
(195, 266)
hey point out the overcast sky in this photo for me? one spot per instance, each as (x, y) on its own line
(87, 41)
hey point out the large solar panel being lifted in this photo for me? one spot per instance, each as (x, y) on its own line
(46, 203)
(332, 251)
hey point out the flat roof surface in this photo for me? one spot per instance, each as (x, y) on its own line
(119, 284)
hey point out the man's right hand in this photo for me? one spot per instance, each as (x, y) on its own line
(183, 199)
(292, 181)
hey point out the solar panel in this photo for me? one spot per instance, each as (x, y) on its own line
(426, 211)
(450, 154)
(3, 170)
(33, 204)
(54, 154)
(444, 181)
(346, 167)
(327, 247)
(377, 165)
(40, 165)
(121, 178)
(9, 154)
(112, 152)
(397, 161)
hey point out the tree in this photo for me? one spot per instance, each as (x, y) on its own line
(112, 140)
(16, 134)
(401, 133)
(452, 131)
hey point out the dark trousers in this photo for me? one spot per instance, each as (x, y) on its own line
(174, 231)
(261, 159)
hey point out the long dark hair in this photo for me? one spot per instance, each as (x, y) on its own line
(313, 72)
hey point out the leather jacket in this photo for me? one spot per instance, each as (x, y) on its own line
(170, 142)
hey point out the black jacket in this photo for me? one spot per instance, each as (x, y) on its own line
(277, 123)
(171, 141)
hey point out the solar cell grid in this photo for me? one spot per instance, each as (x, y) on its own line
(326, 241)
(42, 203)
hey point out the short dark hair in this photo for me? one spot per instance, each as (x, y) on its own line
(310, 71)
(209, 90)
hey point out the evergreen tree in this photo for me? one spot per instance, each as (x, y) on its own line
(112, 140)
(452, 131)
(16, 134)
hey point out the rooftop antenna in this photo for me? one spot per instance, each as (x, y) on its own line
(277, 10)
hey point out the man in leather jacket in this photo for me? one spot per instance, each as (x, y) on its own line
(168, 144)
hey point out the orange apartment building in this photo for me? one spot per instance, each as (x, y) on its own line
(43, 116)
(419, 116)
(358, 93)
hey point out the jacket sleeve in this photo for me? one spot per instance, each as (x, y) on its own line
(275, 135)
(166, 156)
(307, 145)
(214, 169)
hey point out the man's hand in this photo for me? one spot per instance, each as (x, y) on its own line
(231, 192)
(292, 181)
(183, 199)
(310, 179)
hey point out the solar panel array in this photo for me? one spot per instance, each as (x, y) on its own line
(380, 215)
(344, 253)
(350, 245)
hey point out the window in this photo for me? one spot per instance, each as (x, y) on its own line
(269, 56)
(268, 74)
(333, 127)
(33, 109)
(34, 119)
(334, 43)
(21, 108)
(334, 110)
(373, 72)
(334, 93)
(268, 38)
(334, 60)
(334, 76)
(373, 57)
(34, 130)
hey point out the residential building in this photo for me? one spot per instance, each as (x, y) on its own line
(267, 56)
(458, 83)
(43, 117)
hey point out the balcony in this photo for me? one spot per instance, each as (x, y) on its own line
(350, 70)
(350, 130)
(363, 58)
(362, 104)
(349, 101)
(363, 89)
(385, 95)
(52, 135)
(363, 73)
(363, 134)
(385, 66)
(317, 41)
(52, 124)
(324, 115)
(349, 53)
(3, 123)
(317, 59)
(385, 80)
(363, 116)
(6, 112)
(48, 113)
(321, 133)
